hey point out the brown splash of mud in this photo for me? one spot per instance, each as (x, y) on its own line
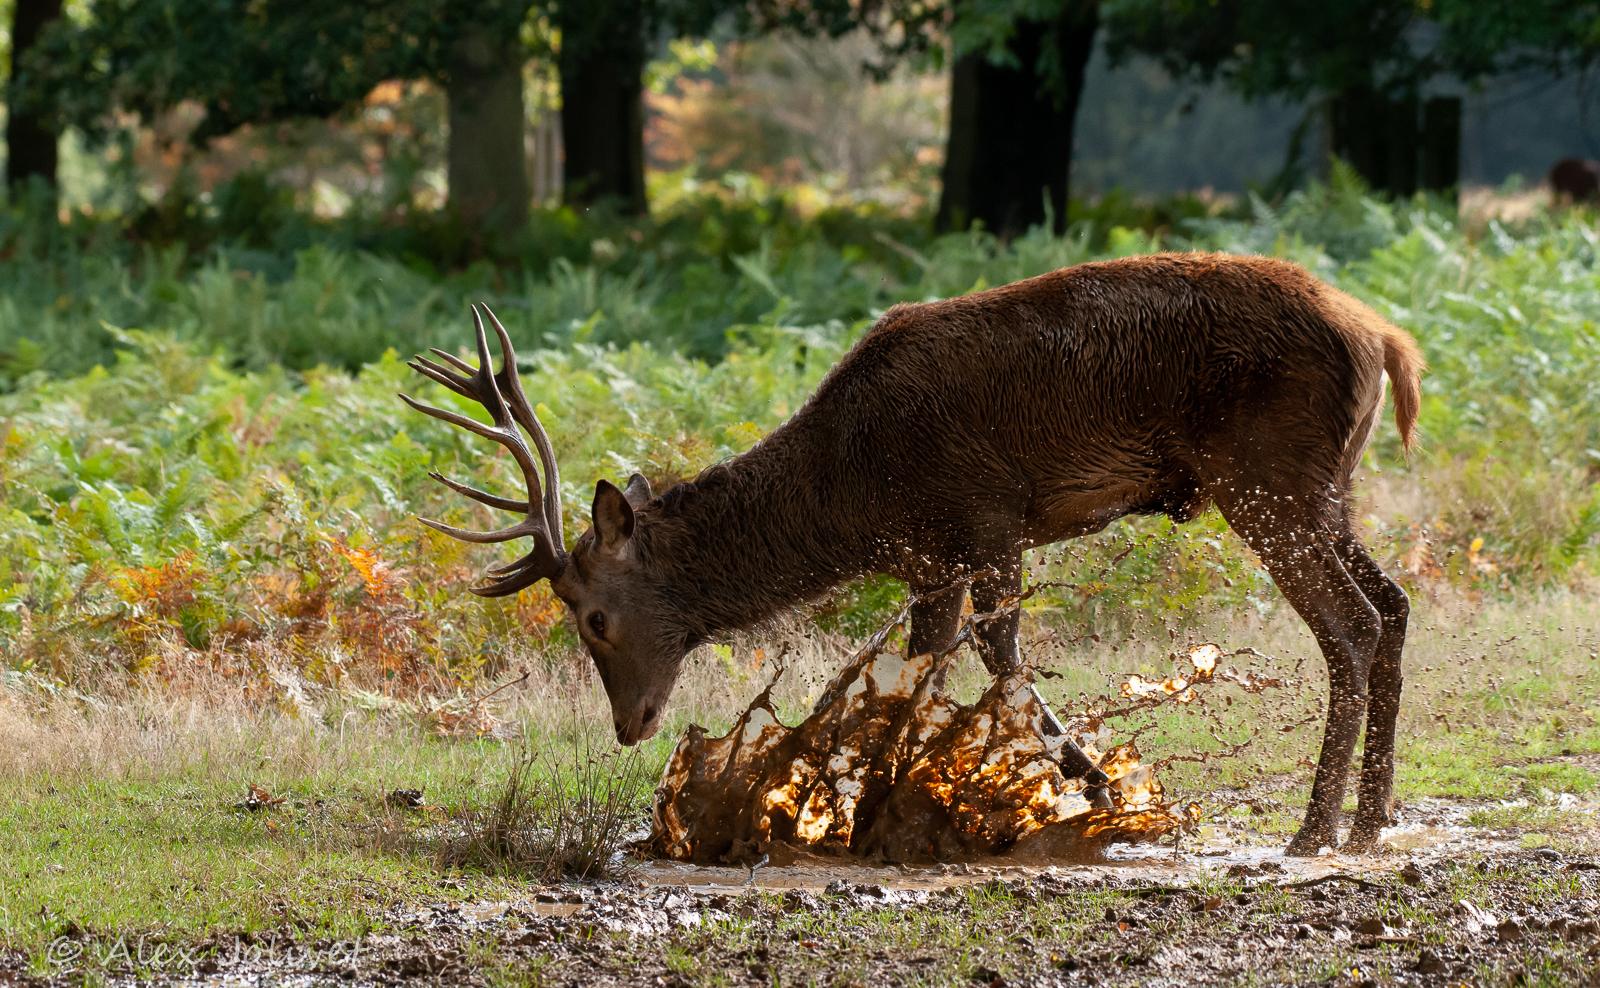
(889, 767)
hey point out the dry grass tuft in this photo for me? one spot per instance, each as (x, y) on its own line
(565, 814)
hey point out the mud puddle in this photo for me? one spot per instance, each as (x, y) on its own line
(1431, 831)
(889, 767)
(659, 894)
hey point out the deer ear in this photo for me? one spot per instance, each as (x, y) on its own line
(638, 491)
(613, 516)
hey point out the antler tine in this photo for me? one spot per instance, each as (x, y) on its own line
(481, 496)
(483, 385)
(510, 578)
(521, 528)
(455, 382)
(510, 386)
(452, 360)
(505, 568)
(490, 394)
(457, 419)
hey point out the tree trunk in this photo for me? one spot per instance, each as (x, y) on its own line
(1357, 134)
(1009, 152)
(31, 142)
(487, 162)
(1397, 144)
(1441, 144)
(602, 103)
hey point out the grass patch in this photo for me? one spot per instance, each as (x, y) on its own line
(151, 837)
(1543, 818)
(1559, 777)
(139, 796)
(178, 859)
(560, 816)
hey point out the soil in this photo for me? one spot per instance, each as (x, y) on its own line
(1441, 905)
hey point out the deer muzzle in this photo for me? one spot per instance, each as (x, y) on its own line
(639, 724)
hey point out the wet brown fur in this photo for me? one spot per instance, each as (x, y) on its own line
(958, 433)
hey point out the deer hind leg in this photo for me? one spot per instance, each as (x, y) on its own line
(1375, 808)
(1295, 540)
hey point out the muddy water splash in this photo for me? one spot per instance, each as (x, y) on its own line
(889, 767)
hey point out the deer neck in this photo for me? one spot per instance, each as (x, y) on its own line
(755, 536)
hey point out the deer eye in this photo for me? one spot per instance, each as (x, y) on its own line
(597, 624)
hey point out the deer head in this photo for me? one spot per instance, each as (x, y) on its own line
(629, 630)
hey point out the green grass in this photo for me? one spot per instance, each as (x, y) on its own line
(140, 840)
(176, 859)
(138, 798)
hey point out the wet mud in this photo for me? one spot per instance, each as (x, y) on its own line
(888, 767)
(1460, 910)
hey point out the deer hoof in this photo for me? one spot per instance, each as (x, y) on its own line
(1310, 841)
(1363, 838)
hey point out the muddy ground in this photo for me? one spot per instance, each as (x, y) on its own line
(1441, 905)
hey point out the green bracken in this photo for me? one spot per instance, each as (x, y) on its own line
(195, 493)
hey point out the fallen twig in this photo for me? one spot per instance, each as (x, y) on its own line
(1337, 876)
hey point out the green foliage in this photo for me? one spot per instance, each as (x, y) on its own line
(1480, 38)
(1265, 47)
(926, 33)
(1304, 47)
(213, 488)
(248, 63)
(1262, 47)
(273, 287)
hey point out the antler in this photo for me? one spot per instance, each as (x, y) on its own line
(502, 396)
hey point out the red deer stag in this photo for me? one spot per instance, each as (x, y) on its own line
(958, 433)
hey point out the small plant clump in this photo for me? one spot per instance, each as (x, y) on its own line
(562, 814)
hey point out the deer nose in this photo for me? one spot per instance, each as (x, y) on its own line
(639, 726)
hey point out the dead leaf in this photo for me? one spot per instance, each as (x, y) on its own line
(472, 722)
(258, 798)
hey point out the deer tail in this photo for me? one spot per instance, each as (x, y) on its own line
(1403, 362)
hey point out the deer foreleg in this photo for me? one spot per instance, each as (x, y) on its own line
(994, 595)
(935, 619)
